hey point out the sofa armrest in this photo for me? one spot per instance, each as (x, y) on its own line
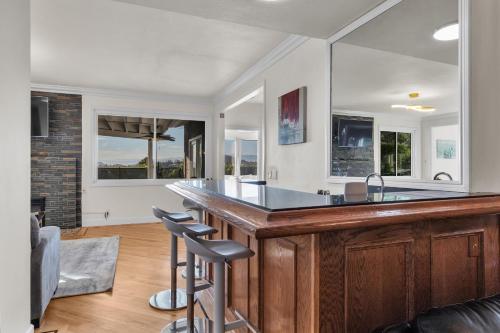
(45, 270)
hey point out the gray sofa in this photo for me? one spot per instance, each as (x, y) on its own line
(45, 268)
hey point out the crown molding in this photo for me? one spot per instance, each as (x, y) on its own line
(276, 54)
(117, 93)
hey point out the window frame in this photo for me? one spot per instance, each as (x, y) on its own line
(155, 114)
(464, 114)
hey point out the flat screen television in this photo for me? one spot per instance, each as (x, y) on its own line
(39, 116)
(354, 133)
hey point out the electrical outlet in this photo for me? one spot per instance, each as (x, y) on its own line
(106, 214)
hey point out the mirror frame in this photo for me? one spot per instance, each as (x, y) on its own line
(463, 46)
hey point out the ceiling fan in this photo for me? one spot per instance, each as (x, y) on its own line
(414, 107)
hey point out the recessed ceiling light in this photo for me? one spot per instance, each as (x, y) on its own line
(447, 32)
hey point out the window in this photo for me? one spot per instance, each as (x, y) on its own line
(248, 165)
(395, 154)
(241, 153)
(149, 148)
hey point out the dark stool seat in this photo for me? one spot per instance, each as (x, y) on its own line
(176, 217)
(218, 250)
(180, 217)
(198, 229)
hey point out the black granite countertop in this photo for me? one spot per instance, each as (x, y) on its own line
(278, 199)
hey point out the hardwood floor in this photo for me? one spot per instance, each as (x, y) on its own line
(143, 268)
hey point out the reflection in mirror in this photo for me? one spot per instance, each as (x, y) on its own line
(395, 95)
(243, 128)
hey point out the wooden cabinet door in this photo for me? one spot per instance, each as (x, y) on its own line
(456, 270)
(459, 252)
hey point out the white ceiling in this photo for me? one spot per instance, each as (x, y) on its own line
(110, 44)
(370, 80)
(408, 27)
(313, 18)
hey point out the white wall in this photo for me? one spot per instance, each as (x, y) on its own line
(485, 95)
(430, 126)
(130, 204)
(15, 166)
(246, 116)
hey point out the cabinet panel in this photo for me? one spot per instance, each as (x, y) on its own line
(379, 284)
(456, 270)
(239, 278)
(280, 285)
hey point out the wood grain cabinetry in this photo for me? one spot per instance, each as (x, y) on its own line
(356, 280)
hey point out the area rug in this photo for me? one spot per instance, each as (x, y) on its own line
(87, 266)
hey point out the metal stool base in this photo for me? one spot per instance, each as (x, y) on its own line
(198, 274)
(162, 300)
(200, 326)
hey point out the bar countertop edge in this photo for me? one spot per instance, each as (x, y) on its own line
(262, 224)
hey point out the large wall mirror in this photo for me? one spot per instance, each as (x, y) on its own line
(396, 94)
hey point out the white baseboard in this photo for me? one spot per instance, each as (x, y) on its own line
(31, 329)
(95, 222)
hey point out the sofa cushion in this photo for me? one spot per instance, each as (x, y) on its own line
(398, 328)
(481, 316)
(35, 231)
(478, 316)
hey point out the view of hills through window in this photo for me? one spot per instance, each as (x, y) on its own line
(246, 152)
(132, 148)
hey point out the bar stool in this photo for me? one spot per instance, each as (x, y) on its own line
(167, 299)
(180, 230)
(218, 252)
(191, 206)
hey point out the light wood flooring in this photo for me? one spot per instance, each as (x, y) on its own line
(143, 268)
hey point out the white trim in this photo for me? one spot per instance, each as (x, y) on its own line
(96, 111)
(245, 99)
(276, 54)
(380, 9)
(117, 93)
(96, 222)
(464, 58)
(31, 329)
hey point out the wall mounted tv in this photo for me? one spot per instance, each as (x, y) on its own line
(39, 116)
(355, 133)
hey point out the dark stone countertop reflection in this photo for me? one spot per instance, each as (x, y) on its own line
(277, 199)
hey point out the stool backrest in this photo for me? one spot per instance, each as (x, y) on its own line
(195, 245)
(189, 204)
(159, 213)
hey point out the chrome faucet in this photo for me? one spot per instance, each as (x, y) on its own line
(377, 175)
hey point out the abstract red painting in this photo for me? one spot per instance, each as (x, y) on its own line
(292, 117)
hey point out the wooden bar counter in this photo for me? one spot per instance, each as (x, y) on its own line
(324, 264)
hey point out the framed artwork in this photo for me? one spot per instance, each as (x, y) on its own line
(292, 117)
(446, 149)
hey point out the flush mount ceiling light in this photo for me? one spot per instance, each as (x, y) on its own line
(447, 32)
(413, 107)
